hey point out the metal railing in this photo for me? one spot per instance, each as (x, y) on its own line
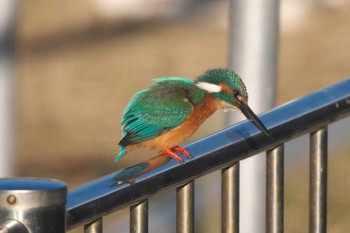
(88, 204)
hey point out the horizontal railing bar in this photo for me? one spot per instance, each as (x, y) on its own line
(303, 115)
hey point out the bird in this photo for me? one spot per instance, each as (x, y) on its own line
(162, 116)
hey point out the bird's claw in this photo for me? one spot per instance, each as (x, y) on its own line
(183, 151)
(173, 152)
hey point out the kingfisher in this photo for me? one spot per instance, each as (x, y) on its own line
(172, 109)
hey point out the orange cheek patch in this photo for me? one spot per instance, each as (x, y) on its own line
(225, 88)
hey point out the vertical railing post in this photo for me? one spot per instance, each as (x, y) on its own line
(185, 208)
(274, 189)
(253, 53)
(94, 227)
(7, 50)
(139, 217)
(318, 181)
(32, 205)
(230, 199)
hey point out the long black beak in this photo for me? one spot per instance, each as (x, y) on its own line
(250, 115)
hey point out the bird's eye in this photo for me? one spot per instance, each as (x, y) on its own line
(237, 96)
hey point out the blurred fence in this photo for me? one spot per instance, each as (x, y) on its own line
(30, 205)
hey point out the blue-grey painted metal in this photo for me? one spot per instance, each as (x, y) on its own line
(32, 205)
(253, 55)
(219, 150)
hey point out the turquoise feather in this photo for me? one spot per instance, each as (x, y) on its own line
(121, 153)
(169, 101)
(159, 109)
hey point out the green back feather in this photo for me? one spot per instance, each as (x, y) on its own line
(159, 109)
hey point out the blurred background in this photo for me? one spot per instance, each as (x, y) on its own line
(77, 63)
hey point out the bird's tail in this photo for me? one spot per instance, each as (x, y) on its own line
(121, 153)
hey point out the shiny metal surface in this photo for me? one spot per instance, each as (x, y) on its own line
(185, 208)
(33, 201)
(274, 189)
(230, 199)
(318, 181)
(94, 227)
(139, 217)
(12, 226)
(211, 153)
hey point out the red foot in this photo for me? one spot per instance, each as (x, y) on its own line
(181, 150)
(172, 154)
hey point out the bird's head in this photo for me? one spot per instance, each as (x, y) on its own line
(226, 86)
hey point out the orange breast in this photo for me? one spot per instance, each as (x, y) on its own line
(186, 129)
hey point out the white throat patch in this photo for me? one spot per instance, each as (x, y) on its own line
(209, 87)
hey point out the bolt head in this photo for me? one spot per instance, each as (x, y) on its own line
(11, 199)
